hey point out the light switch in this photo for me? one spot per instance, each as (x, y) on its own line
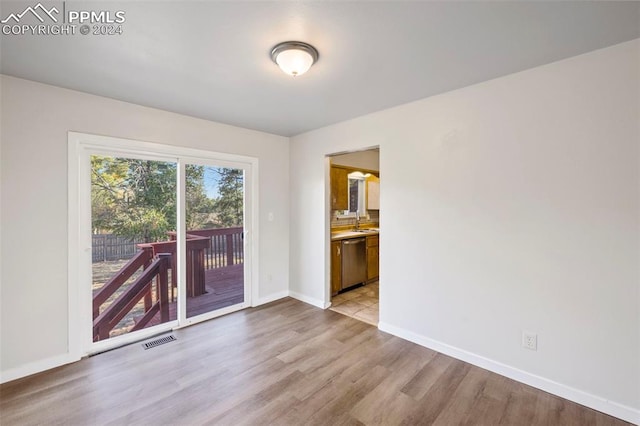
(270, 217)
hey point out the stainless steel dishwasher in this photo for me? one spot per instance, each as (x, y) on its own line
(354, 261)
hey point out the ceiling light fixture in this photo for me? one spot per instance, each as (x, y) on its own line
(294, 57)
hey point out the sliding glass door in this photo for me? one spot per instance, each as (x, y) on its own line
(214, 238)
(133, 211)
(163, 238)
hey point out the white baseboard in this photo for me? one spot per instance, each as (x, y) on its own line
(310, 300)
(36, 367)
(272, 297)
(612, 408)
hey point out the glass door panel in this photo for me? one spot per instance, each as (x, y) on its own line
(133, 218)
(214, 219)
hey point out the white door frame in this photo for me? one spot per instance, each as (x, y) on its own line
(80, 147)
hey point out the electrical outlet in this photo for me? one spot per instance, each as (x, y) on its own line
(529, 340)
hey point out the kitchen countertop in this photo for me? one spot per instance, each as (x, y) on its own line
(343, 235)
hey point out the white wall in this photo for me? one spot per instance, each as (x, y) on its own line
(35, 122)
(506, 206)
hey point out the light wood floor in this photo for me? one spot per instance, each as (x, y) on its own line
(286, 363)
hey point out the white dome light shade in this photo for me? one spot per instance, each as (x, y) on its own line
(294, 62)
(294, 57)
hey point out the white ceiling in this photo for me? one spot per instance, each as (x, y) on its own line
(211, 59)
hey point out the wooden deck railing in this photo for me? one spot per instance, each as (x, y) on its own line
(141, 288)
(227, 246)
(206, 249)
(142, 259)
(196, 247)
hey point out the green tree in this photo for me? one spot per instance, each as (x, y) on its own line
(198, 205)
(107, 177)
(133, 198)
(229, 206)
(137, 198)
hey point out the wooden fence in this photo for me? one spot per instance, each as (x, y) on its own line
(112, 247)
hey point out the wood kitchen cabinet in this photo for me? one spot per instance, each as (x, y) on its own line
(373, 193)
(373, 256)
(336, 267)
(339, 191)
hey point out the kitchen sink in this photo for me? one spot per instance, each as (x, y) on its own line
(354, 233)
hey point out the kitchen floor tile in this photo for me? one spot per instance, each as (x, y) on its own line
(369, 315)
(365, 299)
(348, 295)
(360, 303)
(349, 307)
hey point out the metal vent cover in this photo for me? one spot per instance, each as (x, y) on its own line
(158, 342)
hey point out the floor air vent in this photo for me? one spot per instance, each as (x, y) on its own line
(158, 342)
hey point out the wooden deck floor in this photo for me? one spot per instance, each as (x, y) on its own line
(285, 363)
(225, 287)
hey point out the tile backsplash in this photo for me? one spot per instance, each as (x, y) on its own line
(373, 219)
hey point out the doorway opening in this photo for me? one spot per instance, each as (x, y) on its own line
(354, 210)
